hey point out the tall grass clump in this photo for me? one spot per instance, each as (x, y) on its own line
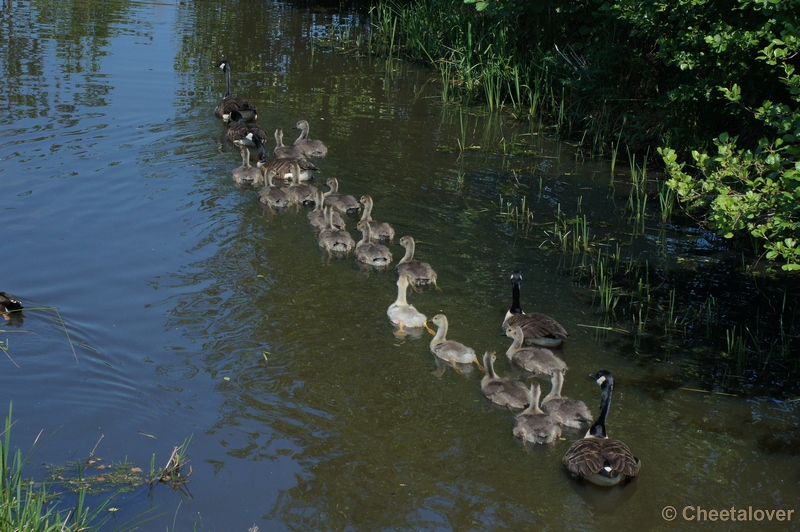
(26, 505)
(637, 197)
(175, 473)
(520, 216)
(480, 60)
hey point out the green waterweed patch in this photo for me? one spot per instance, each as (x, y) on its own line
(95, 476)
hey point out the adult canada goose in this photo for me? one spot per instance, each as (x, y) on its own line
(596, 457)
(533, 425)
(239, 130)
(298, 192)
(379, 230)
(568, 412)
(501, 391)
(272, 196)
(317, 218)
(310, 148)
(246, 174)
(8, 304)
(343, 203)
(420, 273)
(281, 151)
(539, 329)
(229, 103)
(448, 350)
(369, 252)
(282, 168)
(403, 314)
(333, 240)
(536, 360)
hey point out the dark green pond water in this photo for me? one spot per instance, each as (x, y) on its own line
(192, 312)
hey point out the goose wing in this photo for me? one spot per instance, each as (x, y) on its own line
(537, 325)
(600, 456)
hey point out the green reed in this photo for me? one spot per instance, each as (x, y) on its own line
(666, 201)
(637, 197)
(478, 61)
(641, 304)
(572, 234)
(462, 140)
(710, 314)
(445, 71)
(614, 152)
(460, 178)
(736, 348)
(492, 81)
(174, 473)
(581, 232)
(383, 21)
(519, 215)
(604, 283)
(26, 505)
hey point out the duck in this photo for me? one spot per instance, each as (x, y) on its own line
(246, 174)
(369, 252)
(310, 148)
(597, 458)
(8, 304)
(281, 151)
(403, 314)
(380, 230)
(229, 103)
(333, 240)
(570, 413)
(271, 195)
(239, 129)
(449, 350)
(536, 360)
(343, 203)
(533, 425)
(300, 193)
(317, 218)
(540, 329)
(501, 391)
(420, 273)
(282, 168)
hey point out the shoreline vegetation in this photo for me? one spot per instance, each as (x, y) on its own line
(708, 90)
(82, 502)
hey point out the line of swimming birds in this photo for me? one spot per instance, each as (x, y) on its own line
(595, 457)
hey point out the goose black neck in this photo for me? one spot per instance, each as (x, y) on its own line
(227, 71)
(599, 428)
(515, 288)
(262, 153)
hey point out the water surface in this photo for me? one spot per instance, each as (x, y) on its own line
(192, 312)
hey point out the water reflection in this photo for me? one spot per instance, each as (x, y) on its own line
(53, 54)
